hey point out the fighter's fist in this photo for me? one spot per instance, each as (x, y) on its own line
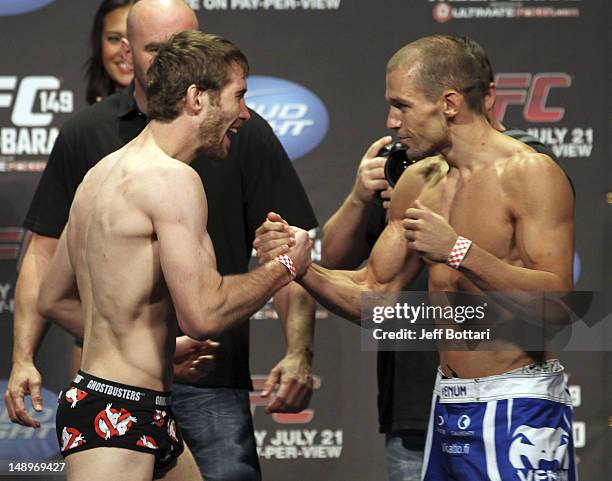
(300, 253)
(428, 233)
(273, 238)
(276, 237)
(371, 173)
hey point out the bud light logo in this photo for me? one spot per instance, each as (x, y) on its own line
(22, 443)
(297, 116)
(16, 7)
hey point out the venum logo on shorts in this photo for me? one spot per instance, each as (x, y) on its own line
(71, 438)
(17, 7)
(297, 116)
(537, 452)
(454, 391)
(111, 422)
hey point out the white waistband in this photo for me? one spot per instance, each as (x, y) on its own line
(540, 385)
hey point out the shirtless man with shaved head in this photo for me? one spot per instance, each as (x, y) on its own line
(137, 249)
(489, 214)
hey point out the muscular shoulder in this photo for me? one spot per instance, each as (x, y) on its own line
(527, 170)
(170, 187)
(172, 177)
(413, 180)
(533, 180)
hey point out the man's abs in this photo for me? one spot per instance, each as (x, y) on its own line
(473, 359)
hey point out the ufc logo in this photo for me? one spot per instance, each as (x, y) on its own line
(530, 91)
(44, 89)
(10, 242)
(303, 417)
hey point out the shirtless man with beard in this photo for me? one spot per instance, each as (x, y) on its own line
(137, 252)
(489, 214)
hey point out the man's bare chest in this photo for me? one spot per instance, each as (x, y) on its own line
(476, 207)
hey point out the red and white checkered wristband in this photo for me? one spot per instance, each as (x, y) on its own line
(288, 263)
(458, 252)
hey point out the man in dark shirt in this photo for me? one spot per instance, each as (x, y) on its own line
(405, 378)
(256, 177)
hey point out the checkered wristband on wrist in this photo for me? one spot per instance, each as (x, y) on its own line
(288, 263)
(458, 252)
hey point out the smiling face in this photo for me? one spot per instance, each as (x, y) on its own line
(226, 113)
(113, 30)
(420, 122)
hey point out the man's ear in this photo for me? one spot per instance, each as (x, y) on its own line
(126, 52)
(196, 99)
(489, 99)
(453, 101)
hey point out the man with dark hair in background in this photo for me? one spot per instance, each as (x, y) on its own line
(137, 249)
(256, 177)
(347, 240)
(487, 214)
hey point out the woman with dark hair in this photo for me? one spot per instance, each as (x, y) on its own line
(107, 71)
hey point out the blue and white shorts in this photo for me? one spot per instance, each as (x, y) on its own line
(511, 427)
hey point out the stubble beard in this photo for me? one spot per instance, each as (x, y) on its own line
(212, 133)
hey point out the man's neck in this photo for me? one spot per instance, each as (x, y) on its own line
(496, 124)
(175, 138)
(471, 144)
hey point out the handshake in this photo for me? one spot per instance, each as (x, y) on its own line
(275, 237)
